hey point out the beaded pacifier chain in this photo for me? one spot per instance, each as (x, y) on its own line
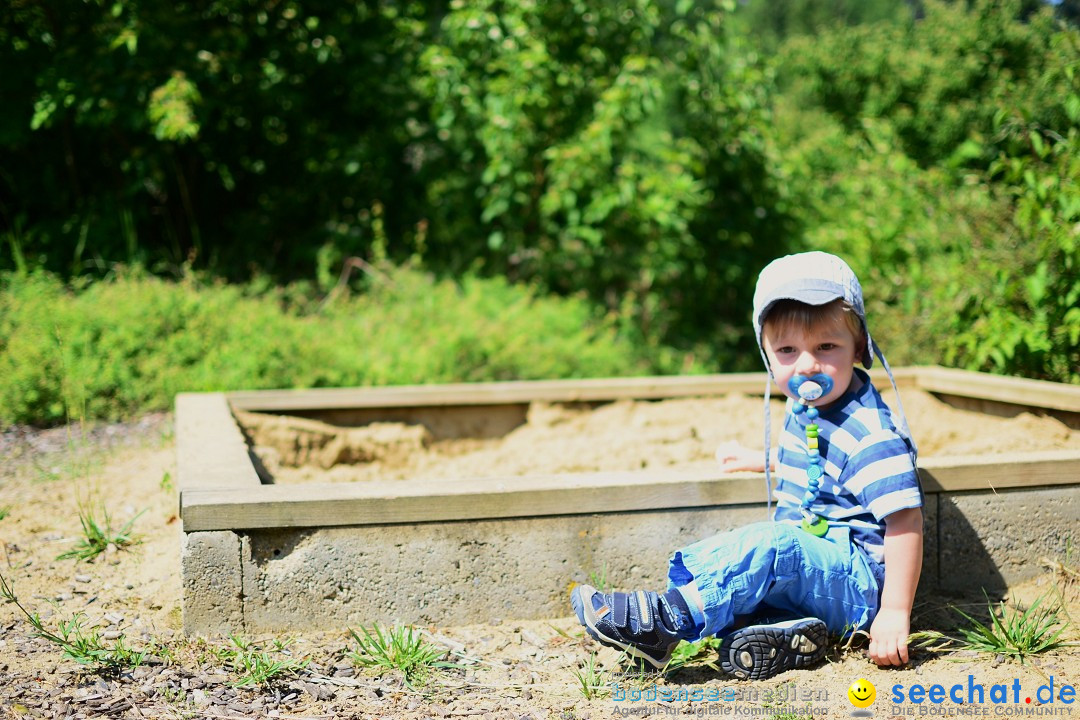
(810, 389)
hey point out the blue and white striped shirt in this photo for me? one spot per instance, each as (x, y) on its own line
(868, 467)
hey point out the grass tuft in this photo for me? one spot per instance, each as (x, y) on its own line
(256, 667)
(1067, 570)
(689, 653)
(98, 535)
(1012, 631)
(400, 648)
(599, 578)
(592, 679)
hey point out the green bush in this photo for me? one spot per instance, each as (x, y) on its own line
(129, 344)
(958, 207)
(1029, 323)
(937, 81)
(969, 270)
(919, 239)
(619, 148)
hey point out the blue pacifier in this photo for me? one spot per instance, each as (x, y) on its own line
(810, 389)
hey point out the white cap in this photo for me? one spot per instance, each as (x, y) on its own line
(814, 278)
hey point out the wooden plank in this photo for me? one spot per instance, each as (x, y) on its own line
(965, 383)
(960, 473)
(323, 505)
(497, 393)
(524, 391)
(1018, 391)
(210, 450)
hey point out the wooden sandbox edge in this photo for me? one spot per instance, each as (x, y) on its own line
(345, 504)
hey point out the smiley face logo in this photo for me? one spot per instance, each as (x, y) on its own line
(862, 693)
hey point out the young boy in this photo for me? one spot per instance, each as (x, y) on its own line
(844, 549)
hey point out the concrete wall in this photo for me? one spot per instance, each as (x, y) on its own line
(451, 573)
(992, 540)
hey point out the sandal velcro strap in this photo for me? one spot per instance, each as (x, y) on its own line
(620, 609)
(645, 616)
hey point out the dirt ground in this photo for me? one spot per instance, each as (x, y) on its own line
(515, 670)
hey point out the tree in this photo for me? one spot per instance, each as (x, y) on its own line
(621, 148)
(241, 134)
(937, 81)
(769, 23)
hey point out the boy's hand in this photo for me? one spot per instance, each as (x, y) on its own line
(889, 637)
(734, 457)
(903, 565)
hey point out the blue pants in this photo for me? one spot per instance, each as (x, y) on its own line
(783, 568)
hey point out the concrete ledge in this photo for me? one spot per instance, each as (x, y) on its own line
(459, 572)
(210, 449)
(314, 505)
(213, 584)
(453, 573)
(262, 558)
(992, 540)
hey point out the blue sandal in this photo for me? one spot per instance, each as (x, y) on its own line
(643, 624)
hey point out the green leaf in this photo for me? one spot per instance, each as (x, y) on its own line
(1072, 108)
(171, 109)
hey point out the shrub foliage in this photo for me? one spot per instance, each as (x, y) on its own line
(132, 342)
(638, 157)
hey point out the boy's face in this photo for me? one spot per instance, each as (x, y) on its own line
(827, 347)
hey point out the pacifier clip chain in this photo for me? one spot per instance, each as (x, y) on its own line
(810, 389)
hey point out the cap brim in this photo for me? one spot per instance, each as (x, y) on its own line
(810, 296)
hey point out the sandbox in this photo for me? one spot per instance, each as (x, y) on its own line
(461, 504)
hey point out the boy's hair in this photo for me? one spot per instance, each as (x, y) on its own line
(799, 316)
